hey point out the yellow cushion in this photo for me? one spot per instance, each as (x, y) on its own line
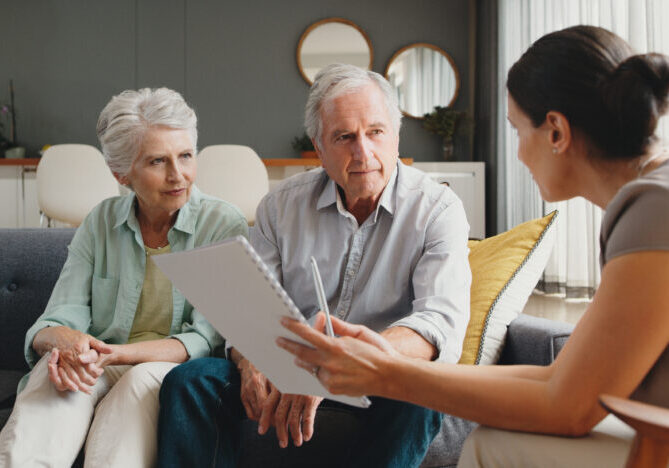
(505, 270)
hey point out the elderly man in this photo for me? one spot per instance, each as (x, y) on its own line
(392, 248)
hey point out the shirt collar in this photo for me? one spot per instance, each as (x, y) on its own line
(185, 218)
(330, 195)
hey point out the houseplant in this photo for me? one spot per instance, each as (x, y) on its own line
(303, 145)
(444, 121)
(8, 144)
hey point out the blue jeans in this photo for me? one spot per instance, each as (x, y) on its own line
(201, 415)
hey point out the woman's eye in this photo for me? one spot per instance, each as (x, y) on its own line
(157, 161)
(186, 155)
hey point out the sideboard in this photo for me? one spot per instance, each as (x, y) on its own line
(18, 187)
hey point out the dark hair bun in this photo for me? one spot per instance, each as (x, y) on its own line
(635, 96)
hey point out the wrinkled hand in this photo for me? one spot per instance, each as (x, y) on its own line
(255, 388)
(113, 357)
(289, 414)
(72, 363)
(351, 364)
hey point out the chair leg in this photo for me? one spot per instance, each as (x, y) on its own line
(646, 452)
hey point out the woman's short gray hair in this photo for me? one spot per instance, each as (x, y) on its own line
(338, 79)
(127, 116)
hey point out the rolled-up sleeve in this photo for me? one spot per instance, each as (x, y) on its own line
(441, 283)
(69, 304)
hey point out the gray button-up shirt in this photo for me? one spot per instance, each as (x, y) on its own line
(406, 265)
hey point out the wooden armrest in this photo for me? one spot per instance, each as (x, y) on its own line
(651, 444)
(648, 420)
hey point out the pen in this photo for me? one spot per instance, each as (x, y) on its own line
(320, 292)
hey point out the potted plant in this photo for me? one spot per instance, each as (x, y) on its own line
(444, 121)
(303, 145)
(8, 144)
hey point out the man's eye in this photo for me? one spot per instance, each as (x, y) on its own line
(346, 136)
(377, 131)
(157, 161)
(187, 155)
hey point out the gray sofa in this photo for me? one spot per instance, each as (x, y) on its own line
(31, 260)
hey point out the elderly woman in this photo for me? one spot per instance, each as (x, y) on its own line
(585, 108)
(114, 325)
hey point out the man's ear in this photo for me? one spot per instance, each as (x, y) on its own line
(559, 131)
(317, 148)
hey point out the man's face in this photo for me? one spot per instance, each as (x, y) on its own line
(359, 146)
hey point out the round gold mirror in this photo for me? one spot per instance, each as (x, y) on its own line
(332, 40)
(423, 76)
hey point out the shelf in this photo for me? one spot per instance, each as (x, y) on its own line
(270, 162)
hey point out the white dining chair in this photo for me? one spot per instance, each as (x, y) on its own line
(71, 180)
(234, 173)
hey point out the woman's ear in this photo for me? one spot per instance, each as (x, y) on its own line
(559, 131)
(121, 179)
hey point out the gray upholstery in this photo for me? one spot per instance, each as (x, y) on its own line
(31, 260)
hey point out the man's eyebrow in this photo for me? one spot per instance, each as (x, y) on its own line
(377, 124)
(336, 133)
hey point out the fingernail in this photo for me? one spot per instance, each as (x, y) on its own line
(280, 341)
(283, 444)
(284, 321)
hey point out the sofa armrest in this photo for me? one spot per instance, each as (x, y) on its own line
(534, 340)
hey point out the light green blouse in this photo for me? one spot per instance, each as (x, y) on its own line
(100, 285)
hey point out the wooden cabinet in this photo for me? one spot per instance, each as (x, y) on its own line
(18, 192)
(18, 188)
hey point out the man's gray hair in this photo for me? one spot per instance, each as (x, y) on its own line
(126, 118)
(338, 79)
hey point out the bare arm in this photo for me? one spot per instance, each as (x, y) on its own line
(167, 350)
(615, 344)
(613, 347)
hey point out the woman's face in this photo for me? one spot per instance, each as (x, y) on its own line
(535, 151)
(162, 174)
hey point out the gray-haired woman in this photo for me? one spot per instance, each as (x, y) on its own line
(114, 325)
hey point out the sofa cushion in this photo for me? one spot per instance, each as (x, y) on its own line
(505, 270)
(31, 263)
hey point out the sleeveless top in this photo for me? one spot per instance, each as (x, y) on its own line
(637, 219)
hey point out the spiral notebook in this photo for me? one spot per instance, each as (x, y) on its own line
(230, 285)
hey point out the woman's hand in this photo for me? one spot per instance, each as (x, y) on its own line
(73, 356)
(352, 364)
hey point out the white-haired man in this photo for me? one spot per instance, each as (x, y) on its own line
(392, 248)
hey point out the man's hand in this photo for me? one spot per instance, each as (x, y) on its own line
(289, 414)
(255, 389)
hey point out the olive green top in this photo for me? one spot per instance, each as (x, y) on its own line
(153, 317)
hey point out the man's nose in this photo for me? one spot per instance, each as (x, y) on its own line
(361, 149)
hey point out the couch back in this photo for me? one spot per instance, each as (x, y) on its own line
(30, 263)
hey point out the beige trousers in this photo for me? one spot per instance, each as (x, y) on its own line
(47, 428)
(607, 445)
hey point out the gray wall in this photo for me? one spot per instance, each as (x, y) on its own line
(233, 61)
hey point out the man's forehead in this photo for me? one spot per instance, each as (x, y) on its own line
(363, 104)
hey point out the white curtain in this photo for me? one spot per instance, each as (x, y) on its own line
(572, 270)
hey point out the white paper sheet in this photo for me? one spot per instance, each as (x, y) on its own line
(230, 285)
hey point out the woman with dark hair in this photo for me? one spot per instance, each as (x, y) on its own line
(585, 109)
